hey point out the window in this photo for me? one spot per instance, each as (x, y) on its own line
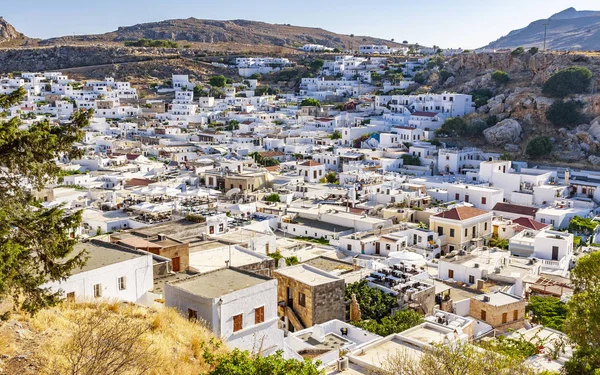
(71, 296)
(451, 232)
(121, 283)
(543, 221)
(467, 198)
(466, 232)
(388, 246)
(97, 290)
(504, 317)
(237, 322)
(450, 274)
(192, 315)
(301, 299)
(471, 279)
(485, 226)
(516, 315)
(211, 229)
(221, 227)
(259, 315)
(457, 196)
(483, 200)
(441, 231)
(267, 247)
(349, 247)
(483, 315)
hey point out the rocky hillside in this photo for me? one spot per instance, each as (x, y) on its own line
(235, 31)
(152, 341)
(8, 32)
(516, 111)
(570, 30)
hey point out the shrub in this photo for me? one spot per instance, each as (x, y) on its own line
(151, 43)
(444, 75)
(563, 113)
(195, 218)
(481, 96)
(453, 127)
(411, 159)
(549, 311)
(420, 78)
(500, 77)
(217, 81)
(539, 146)
(400, 321)
(272, 197)
(572, 80)
(533, 50)
(374, 303)
(310, 102)
(518, 51)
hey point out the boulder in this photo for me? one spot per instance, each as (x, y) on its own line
(594, 130)
(506, 131)
(510, 147)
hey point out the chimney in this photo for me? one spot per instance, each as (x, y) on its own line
(567, 177)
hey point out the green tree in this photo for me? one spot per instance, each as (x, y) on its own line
(243, 363)
(565, 114)
(410, 159)
(336, 135)
(420, 78)
(533, 50)
(548, 311)
(518, 51)
(481, 96)
(453, 127)
(310, 102)
(500, 77)
(199, 92)
(582, 225)
(538, 147)
(583, 317)
(569, 81)
(396, 323)
(272, 197)
(218, 81)
(291, 261)
(374, 303)
(316, 65)
(35, 242)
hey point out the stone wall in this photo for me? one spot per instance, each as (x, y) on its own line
(328, 303)
(494, 314)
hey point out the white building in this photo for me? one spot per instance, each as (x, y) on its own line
(111, 272)
(238, 306)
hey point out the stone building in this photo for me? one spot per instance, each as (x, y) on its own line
(177, 251)
(309, 296)
(501, 310)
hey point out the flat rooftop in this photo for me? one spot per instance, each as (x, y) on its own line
(498, 298)
(379, 354)
(426, 333)
(210, 260)
(219, 283)
(307, 275)
(321, 225)
(102, 254)
(329, 265)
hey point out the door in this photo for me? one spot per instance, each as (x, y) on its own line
(554, 252)
(377, 248)
(450, 274)
(176, 265)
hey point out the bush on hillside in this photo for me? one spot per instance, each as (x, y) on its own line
(569, 81)
(539, 147)
(500, 77)
(565, 114)
(518, 51)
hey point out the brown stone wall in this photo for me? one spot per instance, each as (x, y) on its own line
(494, 314)
(328, 302)
(304, 313)
(182, 251)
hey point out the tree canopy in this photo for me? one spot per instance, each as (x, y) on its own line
(310, 102)
(565, 114)
(548, 311)
(35, 242)
(396, 323)
(538, 147)
(217, 81)
(243, 363)
(374, 303)
(568, 81)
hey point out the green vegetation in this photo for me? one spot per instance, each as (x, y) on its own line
(548, 311)
(261, 160)
(583, 317)
(310, 102)
(411, 159)
(35, 245)
(374, 303)
(582, 225)
(420, 78)
(316, 65)
(538, 147)
(533, 50)
(500, 77)
(398, 322)
(511, 347)
(195, 218)
(444, 75)
(217, 81)
(435, 61)
(320, 241)
(242, 363)
(330, 178)
(266, 90)
(291, 261)
(272, 197)
(458, 127)
(151, 43)
(336, 135)
(481, 96)
(565, 114)
(518, 51)
(496, 241)
(569, 81)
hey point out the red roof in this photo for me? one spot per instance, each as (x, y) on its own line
(310, 163)
(515, 209)
(138, 182)
(461, 213)
(424, 114)
(530, 223)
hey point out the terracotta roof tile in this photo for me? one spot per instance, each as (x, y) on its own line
(530, 223)
(515, 209)
(461, 213)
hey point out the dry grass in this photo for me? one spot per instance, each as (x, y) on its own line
(177, 346)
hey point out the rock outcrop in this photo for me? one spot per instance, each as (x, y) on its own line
(506, 131)
(8, 32)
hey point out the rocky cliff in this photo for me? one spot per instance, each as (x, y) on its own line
(520, 106)
(8, 32)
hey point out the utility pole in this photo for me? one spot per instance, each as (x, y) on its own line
(545, 33)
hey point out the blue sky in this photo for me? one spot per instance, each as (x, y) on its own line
(448, 23)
